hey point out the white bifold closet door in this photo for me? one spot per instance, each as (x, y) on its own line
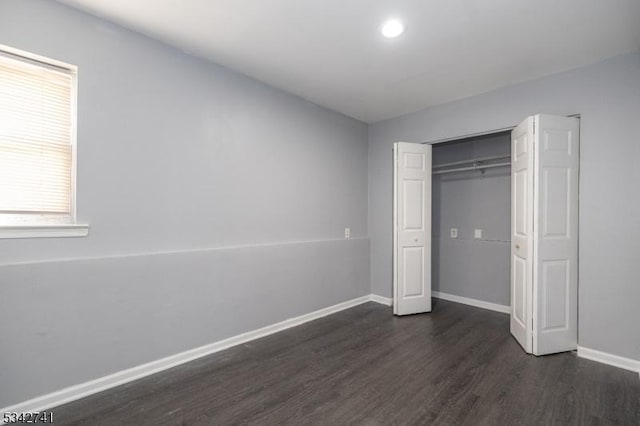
(411, 228)
(544, 231)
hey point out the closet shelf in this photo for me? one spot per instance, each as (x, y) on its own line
(475, 164)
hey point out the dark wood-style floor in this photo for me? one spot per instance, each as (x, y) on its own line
(457, 365)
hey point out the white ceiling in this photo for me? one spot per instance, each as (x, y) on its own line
(331, 52)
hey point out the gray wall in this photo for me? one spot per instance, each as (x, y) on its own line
(608, 97)
(465, 266)
(176, 154)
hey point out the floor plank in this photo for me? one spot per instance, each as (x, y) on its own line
(456, 365)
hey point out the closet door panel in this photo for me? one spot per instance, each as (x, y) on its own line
(556, 234)
(522, 233)
(412, 229)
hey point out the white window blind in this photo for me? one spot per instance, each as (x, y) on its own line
(36, 138)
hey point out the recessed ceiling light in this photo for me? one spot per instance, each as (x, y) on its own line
(392, 28)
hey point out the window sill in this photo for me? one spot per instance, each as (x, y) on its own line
(44, 231)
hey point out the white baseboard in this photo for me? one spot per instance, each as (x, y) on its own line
(82, 390)
(472, 302)
(451, 297)
(387, 301)
(610, 359)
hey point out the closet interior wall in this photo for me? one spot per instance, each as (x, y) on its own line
(466, 266)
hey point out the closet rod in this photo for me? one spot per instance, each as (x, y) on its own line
(464, 169)
(473, 160)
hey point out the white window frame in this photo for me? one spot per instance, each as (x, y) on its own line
(45, 225)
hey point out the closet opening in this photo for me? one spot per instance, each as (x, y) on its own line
(471, 220)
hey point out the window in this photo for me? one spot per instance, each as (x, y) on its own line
(37, 146)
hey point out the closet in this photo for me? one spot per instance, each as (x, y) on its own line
(542, 248)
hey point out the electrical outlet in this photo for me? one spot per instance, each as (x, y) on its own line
(477, 234)
(454, 232)
(347, 233)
